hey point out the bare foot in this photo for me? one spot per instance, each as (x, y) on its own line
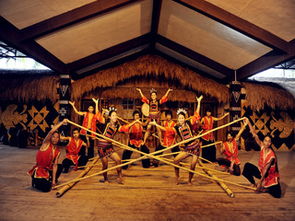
(120, 180)
(190, 183)
(104, 181)
(177, 181)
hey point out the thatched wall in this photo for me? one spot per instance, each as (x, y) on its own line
(259, 95)
(151, 68)
(28, 87)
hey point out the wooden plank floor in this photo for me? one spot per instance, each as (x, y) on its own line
(148, 194)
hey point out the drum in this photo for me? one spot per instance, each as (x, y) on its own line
(145, 109)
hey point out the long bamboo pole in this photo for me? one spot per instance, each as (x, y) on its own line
(63, 190)
(221, 184)
(152, 155)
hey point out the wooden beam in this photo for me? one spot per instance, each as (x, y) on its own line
(110, 52)
(195, 56)
(76, 15)
(267, 61)
(237, 23)
(111, 64)
(157, 4)
(11, 35)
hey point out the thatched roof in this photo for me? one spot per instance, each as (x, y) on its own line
(154, 71)
(258, 95)
(28, 87)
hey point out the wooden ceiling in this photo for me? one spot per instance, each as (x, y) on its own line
(218, 38)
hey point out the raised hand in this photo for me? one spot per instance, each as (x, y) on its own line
(199, 98)
(138, 89)
(72, 103)
(95, 100)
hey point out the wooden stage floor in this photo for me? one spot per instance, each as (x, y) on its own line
(148, 194)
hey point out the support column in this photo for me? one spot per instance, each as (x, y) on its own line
(64, 98)
(235, 104)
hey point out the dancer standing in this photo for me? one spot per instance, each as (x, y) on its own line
(135, 130)
(267, 170)
(184, 130)
(169, 136)
(89, 121)
(209, 153)
(47, 170)
(154, 111)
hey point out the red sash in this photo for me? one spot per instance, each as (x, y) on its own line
(44, 162)
(272, 177)
(73, 150)
(231, 155)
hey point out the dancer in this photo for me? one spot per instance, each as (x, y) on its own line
(89, 121)
(154, 112)
(135, 130)
(184, 130)
(267, 170)
(47, 170)
(73, 151)
(209, 153)
(169, 136)
(229, 148)
(105, 148)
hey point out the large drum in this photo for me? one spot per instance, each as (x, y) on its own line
(145, 109)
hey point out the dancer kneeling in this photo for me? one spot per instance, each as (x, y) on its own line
(184, 130)
(230, 150)
(73, 151)
(267, 170)
(46, 171)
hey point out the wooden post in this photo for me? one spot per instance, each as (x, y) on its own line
(64, 98)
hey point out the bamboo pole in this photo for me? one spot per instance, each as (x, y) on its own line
(211, 144)
(221, 184)
(63, 190)
(157, 158)
(202, 167)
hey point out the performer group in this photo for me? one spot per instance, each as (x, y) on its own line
(80, 147)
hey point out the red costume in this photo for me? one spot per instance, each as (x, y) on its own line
(105, 147)
(169, 134)
(85, 123)
(44, 162)
(154, 112)
(73, 149)
(135, 133)
(208, 125)
(231, 154)
(272, 176)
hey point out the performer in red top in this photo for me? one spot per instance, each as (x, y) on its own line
(47, 170)
(267, 170)
(169, 136)
(230, 150)
(154, 112)
(184, 130)
(135, 130)
(73, 151)
(89, 121)
(209, 153)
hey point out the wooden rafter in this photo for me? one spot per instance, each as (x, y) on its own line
(237, 23)
(71, 17)
(269, 60)
(157, 4)
(11, 35)
(110, 52)
(195, 56)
